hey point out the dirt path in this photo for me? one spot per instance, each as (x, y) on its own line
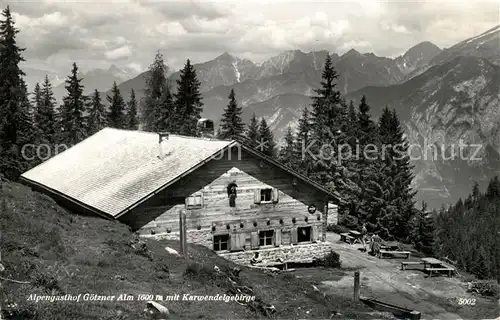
(435, 298)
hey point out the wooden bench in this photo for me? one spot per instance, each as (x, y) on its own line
(383, 253)
(409, 263)
(449, 270)
(345, 237)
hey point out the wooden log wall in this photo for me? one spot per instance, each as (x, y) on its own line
(160, 213)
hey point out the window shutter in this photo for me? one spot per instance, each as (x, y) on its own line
(256, 196)
(277, 237)
(314, 233)
(294, 236)
(275, 195)
(255, 240)
(236, 243)
(189, 201)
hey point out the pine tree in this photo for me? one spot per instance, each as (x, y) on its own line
(15, 124)
(37, 106)
(371, 173)
(266, 142)
(188, 104)
(116, 115)
(287, 154)
(231, 124)
(303, 137)
(72, 111)
(97, 119)
(252, 133)
(168, 120)
(132, 123)
(158, 107)
(47, 116)
(327, 120)
(469, 234)
(423, 231)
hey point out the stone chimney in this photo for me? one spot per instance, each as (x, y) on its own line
(161, 136)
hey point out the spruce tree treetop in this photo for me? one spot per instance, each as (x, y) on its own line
(154, 94)
(252, 132)
(116, 115)
(132, 122)
(266, 141)
(97, 119)
(11, 82)
(188, 101)
(286, 154)
(73, 108)
(231, 124)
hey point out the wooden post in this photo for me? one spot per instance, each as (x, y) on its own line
(181, 232)
(184, 232)
(356, 285)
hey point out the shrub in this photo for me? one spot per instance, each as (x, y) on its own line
(331, 260)
(485, 288)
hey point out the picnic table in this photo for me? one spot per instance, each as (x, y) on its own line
(392, 248)
(356, 235)
(346, 237)
(434, 265)
(390, 245)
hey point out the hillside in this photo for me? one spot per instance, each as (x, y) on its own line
(49, 251)
(448, 103)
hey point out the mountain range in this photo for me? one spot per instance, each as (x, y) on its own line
(443, 96)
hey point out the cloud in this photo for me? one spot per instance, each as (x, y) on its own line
(125, 32)
(119, 53)
(181, 10)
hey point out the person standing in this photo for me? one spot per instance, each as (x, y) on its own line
(364, 236)
(231, 193)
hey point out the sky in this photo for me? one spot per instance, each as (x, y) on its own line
(128, 33)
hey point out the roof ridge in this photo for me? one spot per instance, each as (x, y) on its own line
(170, 134)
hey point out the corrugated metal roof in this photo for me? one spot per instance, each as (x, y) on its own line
(114, 169)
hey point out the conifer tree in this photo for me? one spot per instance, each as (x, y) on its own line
(15, 122)
(116, 115)
(287, 154)
(399, 173)
(132, 123)
(97, 119)
(37, 107)
(158, 107)
(327, 121)
(47, 116)
(72, 111)
(188, 104)
(371, 172)
(231, 124)
(468, 235)
(252, 133)
(266, 142)
(167, 120)
(303, 137)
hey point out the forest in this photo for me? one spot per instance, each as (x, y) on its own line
(375, 190)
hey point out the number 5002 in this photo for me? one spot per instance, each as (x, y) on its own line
(466, 302)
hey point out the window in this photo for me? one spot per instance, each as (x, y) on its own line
(266, 238)
(266, 195)
(194, 201)
(304, 234)
(221, 242)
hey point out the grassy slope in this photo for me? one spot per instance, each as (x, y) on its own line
(61, 253)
